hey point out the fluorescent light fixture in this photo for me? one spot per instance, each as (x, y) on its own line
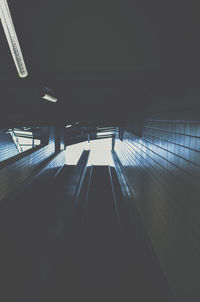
(12, 39)
(68, 126)
(104, 133)
(50, 98)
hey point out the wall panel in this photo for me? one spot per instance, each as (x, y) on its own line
(7, 146)
(163, 172)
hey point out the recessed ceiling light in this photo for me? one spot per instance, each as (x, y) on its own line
(12, 39)
(50, 98)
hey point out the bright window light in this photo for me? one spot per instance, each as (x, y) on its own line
(12, 39)
(24, 140)
(100, 154)
(18, 132)
(37, 142)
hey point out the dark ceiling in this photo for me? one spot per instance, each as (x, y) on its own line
(105, 59)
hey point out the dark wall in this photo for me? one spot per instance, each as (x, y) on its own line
(162, 169)
(48, 171)
(7, 146)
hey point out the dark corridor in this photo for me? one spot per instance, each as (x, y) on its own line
(72, 239)
(78, 72)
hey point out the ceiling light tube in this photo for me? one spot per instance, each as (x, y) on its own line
(12, 39)
(50, 98)
(104, 133)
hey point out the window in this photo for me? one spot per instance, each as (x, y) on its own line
(100, 152)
